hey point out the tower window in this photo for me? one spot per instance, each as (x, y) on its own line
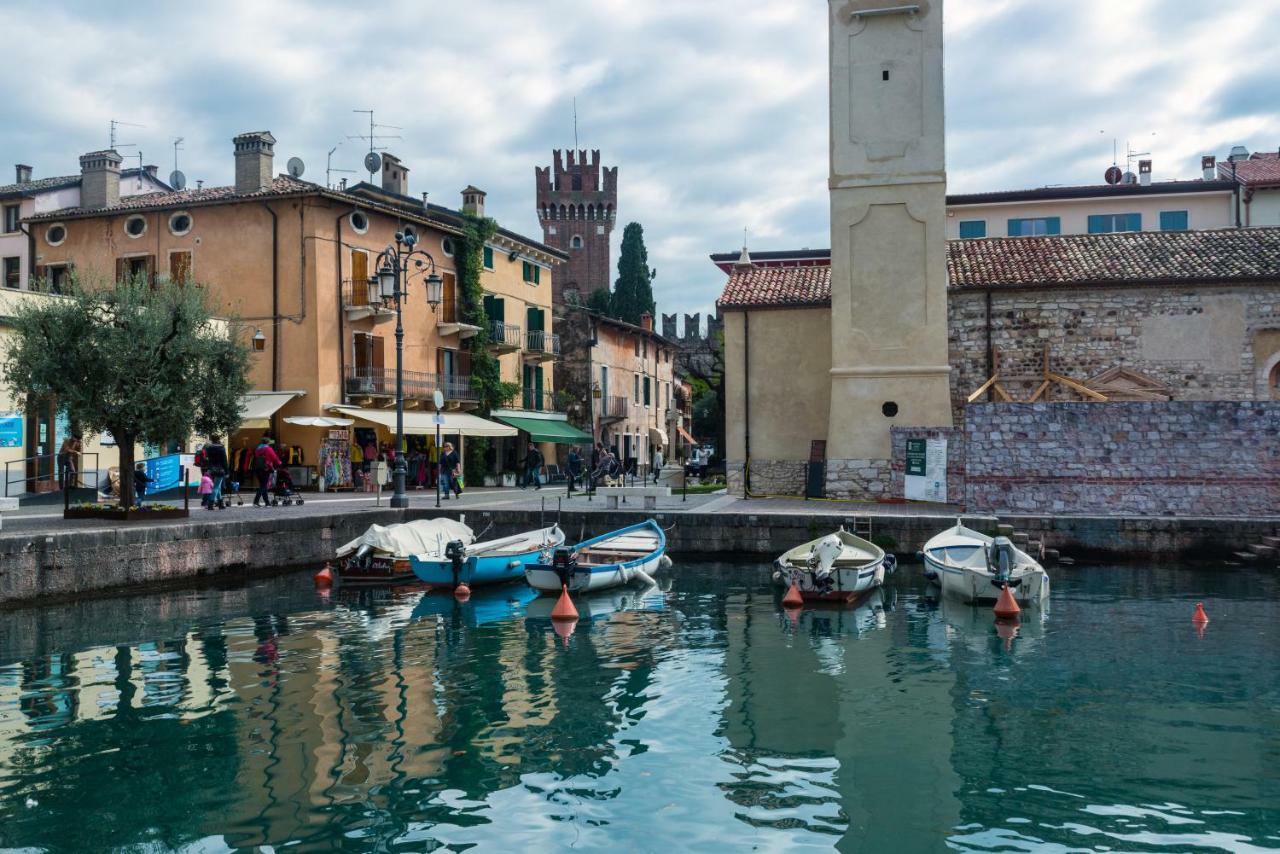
(884, 75)
(575, 242)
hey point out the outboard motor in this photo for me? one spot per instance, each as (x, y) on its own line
(1001, 561)
(456, 552)
(565, 562)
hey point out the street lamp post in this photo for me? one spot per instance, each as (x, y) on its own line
(394, 273)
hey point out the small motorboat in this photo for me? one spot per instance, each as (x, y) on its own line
(490, 562)
(974, 567)
(381, 555)
(619, 557)
(839, 567)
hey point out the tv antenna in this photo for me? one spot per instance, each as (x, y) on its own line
(329, 170)
(575, 123)
(372, 163)
(176, 179)
(177, 144)
(116, 123)
(1130, 154)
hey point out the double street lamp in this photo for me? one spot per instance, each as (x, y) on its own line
(397, 264)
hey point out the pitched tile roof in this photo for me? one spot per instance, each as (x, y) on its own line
(45, 185)
(1260, 170)
(282, 185)
(1239, 256)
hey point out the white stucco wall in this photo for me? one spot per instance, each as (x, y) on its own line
(1204, 211)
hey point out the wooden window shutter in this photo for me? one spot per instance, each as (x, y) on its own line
(122, 269)
(150, 273)
(180, 267)
(359, 278)
(379, 361)
(38, 274)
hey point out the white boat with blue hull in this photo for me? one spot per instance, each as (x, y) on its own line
(490, 562)
(974, 567)
(620, 557)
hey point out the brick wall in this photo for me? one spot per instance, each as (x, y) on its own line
(1194, 458)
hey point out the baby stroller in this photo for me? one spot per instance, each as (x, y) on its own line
(282, 489)
(230, 492)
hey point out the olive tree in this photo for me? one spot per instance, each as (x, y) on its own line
(147, 363)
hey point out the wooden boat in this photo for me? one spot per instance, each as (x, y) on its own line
(620, 557)
(381, 555)
(839, 567)
(491, 562)
(973, 567)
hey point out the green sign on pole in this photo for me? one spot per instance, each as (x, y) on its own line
(915, 457)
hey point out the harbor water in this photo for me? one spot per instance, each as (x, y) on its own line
(696, 717)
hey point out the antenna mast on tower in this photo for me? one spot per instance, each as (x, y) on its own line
(575, 123)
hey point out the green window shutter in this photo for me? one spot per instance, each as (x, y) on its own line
(488, 257)
(1098, 224)
(972, 229)
(1054, 225)
(537, 274)
(1173, 221)
(646, 391)
(1015, 228)
(488, 307)
(537, 387)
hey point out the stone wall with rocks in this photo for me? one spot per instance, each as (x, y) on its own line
(955, 459)
(1192, 458)
(1196, 340)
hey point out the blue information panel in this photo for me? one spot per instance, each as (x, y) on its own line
(11, 431)
(166, 472)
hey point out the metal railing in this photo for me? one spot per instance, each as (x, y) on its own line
(503, 334)
(543, 342)
(534, 401)
(361, 292)
(613, 407)
(418, 385)
(46, 471)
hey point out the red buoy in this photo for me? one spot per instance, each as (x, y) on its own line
(1200, 616)
(324, 578)
(793, 599)
(462, 592)
(1007, 630)
(564, 628)
(1006, 605)
(564, 609)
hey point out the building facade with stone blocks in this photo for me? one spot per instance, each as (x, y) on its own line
(1187, 316)
(297, 263)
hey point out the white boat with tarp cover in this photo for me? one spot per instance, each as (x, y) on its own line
(383, 553)
(839, 567)
(619, 557)
(974, 567)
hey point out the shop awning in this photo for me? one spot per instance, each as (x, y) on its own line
(657, 437)
(417, 423)
(683, 435)
(547, 430)
(319, 421)
(257, 407)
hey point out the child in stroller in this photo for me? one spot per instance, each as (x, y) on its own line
(283, 491)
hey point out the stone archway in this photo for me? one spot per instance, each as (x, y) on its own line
(1269, 378)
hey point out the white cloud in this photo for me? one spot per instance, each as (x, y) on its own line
(715, 112)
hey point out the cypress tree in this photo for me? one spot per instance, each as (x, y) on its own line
(633, 291)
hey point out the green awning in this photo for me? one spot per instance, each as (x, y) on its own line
(546, 430)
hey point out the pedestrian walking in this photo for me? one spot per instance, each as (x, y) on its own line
(657, 464)
(450, 471)
(69, 461)
(206, 491)
(574, 467)
(140, 481)
(532, 467)
(216, 466)
(265, 461)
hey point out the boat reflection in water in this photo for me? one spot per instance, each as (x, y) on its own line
(979, 629)
(487, 605)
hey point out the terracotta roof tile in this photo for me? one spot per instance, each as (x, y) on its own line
(1158, 257)
(282, 185)
(1260, 170)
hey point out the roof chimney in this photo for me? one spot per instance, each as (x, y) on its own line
(744, 260)
(646, 322)
(254, 153)
(1209, 167)
(395, 175)
(24, 173)
(1144, 172)
(100, 179)
(473, 200)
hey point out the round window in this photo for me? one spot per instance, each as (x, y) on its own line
(359, 222)
(56, 234)
(447, 246)
(179, 223)
(135, 226)
(889, 408)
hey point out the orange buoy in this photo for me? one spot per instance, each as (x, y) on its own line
(793, 599)
(564, 609)
(324, 578)
(1200, 616)
(564, 628)
(462, 592)
(1007, 630)
(1006, 605)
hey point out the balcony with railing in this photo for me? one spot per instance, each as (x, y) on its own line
(541, 346)
(449, 319)
(418, 386)
(532, 400)
(504, 337)
(612, 408)
(360, 300)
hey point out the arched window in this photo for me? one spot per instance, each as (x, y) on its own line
(1274, 381)
(575, 242)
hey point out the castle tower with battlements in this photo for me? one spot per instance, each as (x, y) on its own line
(577, 202)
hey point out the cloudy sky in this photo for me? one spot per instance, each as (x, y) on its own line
(715, 110)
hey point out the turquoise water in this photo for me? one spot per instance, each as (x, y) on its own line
(695, 718)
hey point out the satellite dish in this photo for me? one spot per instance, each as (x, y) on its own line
(177, 180)
(372, 162)
(438, 399)
(1130, 178)
(296, 167)
(1113, 175)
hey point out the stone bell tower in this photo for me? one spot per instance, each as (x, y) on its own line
(888, 213)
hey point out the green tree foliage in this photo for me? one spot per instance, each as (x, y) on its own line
(468, 261)
(147, 364)
(601, 302)
(633, 290)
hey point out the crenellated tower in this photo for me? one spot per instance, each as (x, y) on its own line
(577, 202)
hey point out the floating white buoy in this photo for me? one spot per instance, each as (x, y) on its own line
(664, 562)
(32, 803)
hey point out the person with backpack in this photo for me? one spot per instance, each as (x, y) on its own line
(450, 468)
(216, 465)
(265, 461)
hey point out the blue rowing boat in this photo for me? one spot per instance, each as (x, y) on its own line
(490, 562)
(610, 560)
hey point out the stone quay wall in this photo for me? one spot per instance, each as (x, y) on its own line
(1194, 458)
(1202, 342)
